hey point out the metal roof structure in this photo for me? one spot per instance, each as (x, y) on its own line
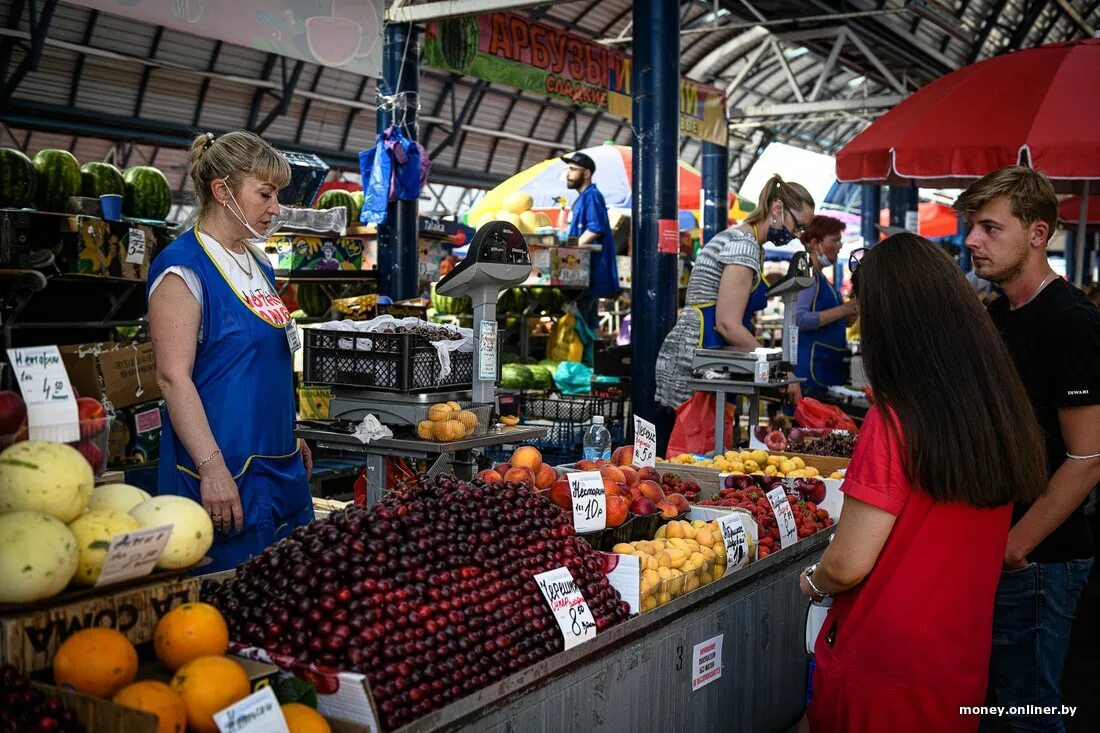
(810, 73)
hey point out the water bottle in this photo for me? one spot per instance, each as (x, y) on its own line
(597, 441)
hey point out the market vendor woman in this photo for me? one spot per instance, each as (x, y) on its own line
(224, 342)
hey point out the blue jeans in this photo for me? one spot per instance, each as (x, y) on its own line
(1032, 621)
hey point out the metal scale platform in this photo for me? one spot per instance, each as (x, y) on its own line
(498, 258)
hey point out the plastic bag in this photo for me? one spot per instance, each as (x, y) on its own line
(811, 413)
(694, 428)
(573, 378)
(565, 343)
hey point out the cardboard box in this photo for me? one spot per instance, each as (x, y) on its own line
(145, 427)
(313, 402)
(83, 245)
(121, 374)
(130, 248)
(102, 716)
(316, 252)
(30, 639)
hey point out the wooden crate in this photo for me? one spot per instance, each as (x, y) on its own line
(825, 464)
(103, 716)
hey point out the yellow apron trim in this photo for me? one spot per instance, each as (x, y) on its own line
(230, 282)
(297, 448)
(698, 308)
(812, 350)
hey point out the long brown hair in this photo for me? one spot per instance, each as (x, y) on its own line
(935, 359)
(793, 195)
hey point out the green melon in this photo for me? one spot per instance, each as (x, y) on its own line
(313, 299)
(358, 196)
(336, 197)
(458, 42)
(18, 178)
(98, 179)
(147, 195)
(58, 179)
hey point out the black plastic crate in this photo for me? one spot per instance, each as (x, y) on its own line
(389, 362)
(572, 408)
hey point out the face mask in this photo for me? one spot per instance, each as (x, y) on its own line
(779, 235)
(240, 216)
(823, 260)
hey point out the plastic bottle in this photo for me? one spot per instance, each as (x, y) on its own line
(760, 375)
(597, 441)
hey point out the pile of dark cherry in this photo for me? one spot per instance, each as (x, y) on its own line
(430, 331)
(430, 594)
(24, 708)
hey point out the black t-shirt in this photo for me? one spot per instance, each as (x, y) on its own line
(1055, 342)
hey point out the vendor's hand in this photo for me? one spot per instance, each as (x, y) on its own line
(307, 459)
(220, 498)
(851, 312)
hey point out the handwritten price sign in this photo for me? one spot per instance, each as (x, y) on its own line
(736, 540)
(570, 609)
(589, 501)
(645, 442)
(44, 383)
(784, 516)
(134, 554)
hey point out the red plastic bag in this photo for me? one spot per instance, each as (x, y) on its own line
(811, 413)
(694, 428)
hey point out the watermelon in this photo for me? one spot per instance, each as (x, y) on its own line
(147, 195)
(358, 196)
(516, 376)
(58, 179)
(98, 179)
(335, 197)
(18, 179)
(313, 299)
(458, 42)
(541, 377)
(446, 305)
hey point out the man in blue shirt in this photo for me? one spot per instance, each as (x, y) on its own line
(590, 225)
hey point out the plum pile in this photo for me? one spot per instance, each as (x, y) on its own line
(25, 708)
(430, 594)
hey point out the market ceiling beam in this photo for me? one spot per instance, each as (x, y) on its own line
(147, 71)
(289, 83)
(1075, 16)
(78, 69)
(452, 9)
(205, 86)
(40, 25)
(809, 108)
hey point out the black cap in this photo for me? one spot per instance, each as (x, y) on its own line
(580, 159)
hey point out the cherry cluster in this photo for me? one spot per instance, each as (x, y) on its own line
(25, 708)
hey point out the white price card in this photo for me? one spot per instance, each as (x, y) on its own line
(570, 609)
(589, 501)
(736, 539)
(706, 662)
(625, 576)
(44, 383)
(645, 442)
(135, 247)
(134, 554)
(784, 516)
(487, 343)
(258, 713)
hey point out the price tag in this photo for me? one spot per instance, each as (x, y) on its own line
(736, 539)
(589, 501)
(257, 713)
(645, 442)
(784, 516)
(44, 383)
(134, 554)
(135, 247)
(706, 662)
(293, 340)
(625, 576)
(569, 607)
(487, 351)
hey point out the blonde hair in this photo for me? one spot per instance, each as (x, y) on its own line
(1030, 194)
(233, 156)
(793, 196)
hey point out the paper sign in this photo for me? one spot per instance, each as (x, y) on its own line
(706, 662)
(736, 539)
(625, 576)
(257, 713)
(589, 501)
(487, 341)
(668, 236)
(645, 442)
(135, 247)
(133, 554)
(784, 516)
(912, 221)
(44, 383)
(569, 607)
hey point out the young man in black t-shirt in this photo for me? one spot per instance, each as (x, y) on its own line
(1053, 333)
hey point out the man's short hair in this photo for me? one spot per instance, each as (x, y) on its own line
(1030, 194)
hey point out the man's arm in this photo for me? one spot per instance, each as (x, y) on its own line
(1068, 487)
(588, 237)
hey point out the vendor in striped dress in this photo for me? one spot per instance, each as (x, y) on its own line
(726, 286)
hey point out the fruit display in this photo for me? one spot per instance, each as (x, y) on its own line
(98, 179)
(18, 182)
(192, 531)
(430, 593)
(448, 421)
(147, 193)
(208, 685)
(117, 497)
(304, 719)
(93, 531)
(450, 306)
(96, 661)
(58, 179)
(682, 556)
(834, 444)
(336, 197)
(188, 632)
(38, 556)
(48, 478)
(313, 299)
(429, 331)
(25, 708)
(156, 698)
(755, 462)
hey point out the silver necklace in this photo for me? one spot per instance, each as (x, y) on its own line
(233, 256)
(1039, 289)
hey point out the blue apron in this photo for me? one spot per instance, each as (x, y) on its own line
(823, 354)
(709, 338)
(244, 376)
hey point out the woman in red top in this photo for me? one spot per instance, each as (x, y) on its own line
(917, 556)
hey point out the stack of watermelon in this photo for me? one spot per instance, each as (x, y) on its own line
(351, 200)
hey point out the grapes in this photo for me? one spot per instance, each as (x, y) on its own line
(24, 708)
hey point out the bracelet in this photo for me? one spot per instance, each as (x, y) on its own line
(206, 460)
(1082, 458)
(810, 582)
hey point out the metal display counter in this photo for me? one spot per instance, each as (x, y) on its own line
(722, 387)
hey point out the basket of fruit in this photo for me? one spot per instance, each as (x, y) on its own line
(449, 421)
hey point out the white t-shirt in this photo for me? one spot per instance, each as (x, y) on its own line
(254, 290)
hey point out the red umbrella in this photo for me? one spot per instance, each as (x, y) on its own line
(1038, 106)
(1069, 211)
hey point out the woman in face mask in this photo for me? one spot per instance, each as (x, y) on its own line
(822, 314)
(726, 286)
(224, 345)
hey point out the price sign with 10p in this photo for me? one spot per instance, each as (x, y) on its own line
(589, 501)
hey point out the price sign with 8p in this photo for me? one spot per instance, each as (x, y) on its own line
(570, 609)
(645, 442)
(784, 516)
(589, 501)
(736, 541)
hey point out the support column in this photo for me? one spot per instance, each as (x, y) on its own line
(903, 207)
(965, 261)
(397, 238)
(716, 184)
(870, 205)
(655, 81)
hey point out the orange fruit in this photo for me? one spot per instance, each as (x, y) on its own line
(160, 700)
(304, 719)
(96, 661)
(188, 632)
(207, 685)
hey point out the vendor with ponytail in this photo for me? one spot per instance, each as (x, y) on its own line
(224, 344)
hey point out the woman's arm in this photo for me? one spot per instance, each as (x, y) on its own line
(808, 319)
(174, 318)
(733, 297)
(861, 534)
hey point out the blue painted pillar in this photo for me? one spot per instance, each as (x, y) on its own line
(716, 185)
(903, 207)
(870, 198)
(397, 238)
(1071, 252)
(655, 86)
(965, 261)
